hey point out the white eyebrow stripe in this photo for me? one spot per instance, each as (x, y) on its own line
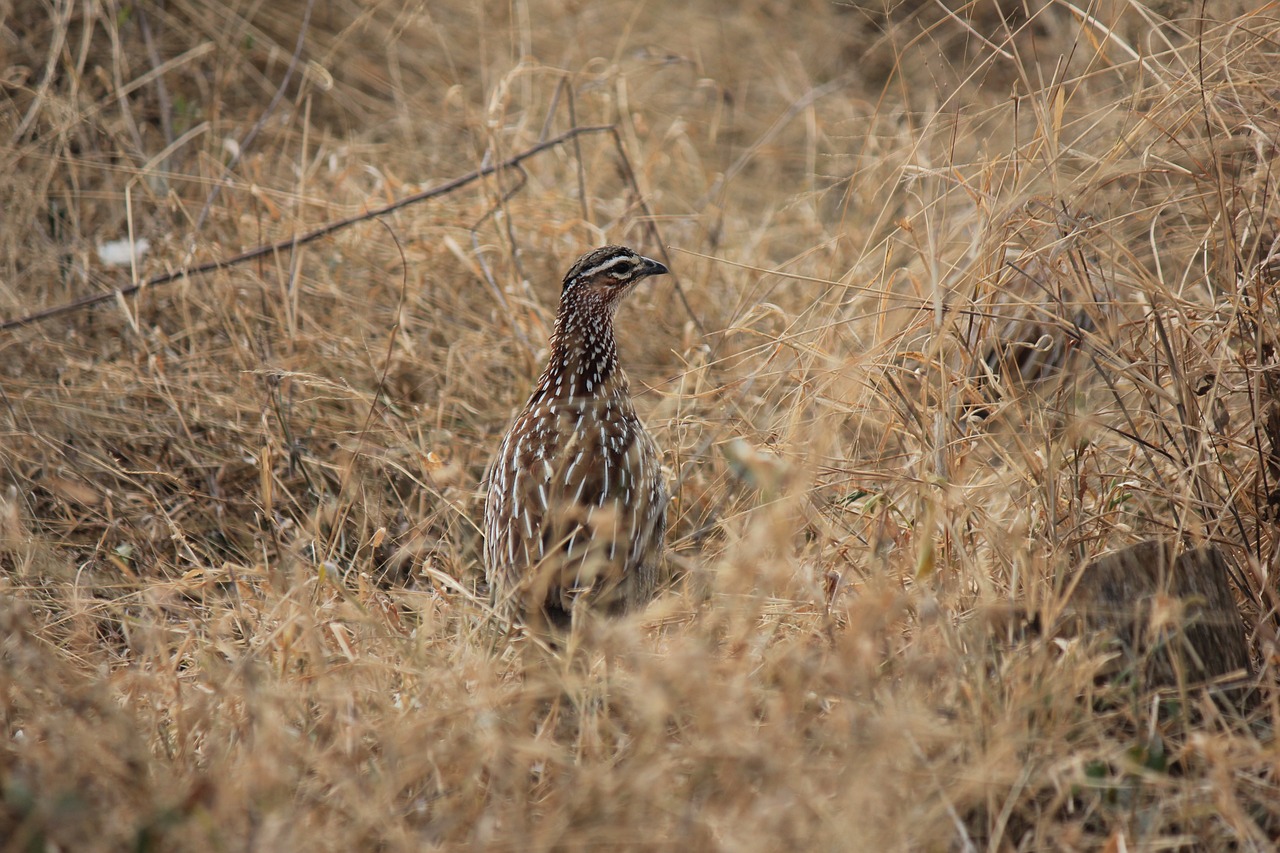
(607, 265)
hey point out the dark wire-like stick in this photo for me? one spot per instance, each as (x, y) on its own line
(651, 226)
(290, 243)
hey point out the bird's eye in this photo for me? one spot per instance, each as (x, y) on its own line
(624, 269)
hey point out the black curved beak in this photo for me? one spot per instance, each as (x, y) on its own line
(652, 267)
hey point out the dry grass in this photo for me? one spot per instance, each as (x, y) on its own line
(242, 606)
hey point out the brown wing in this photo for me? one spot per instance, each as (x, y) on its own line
(511, 521)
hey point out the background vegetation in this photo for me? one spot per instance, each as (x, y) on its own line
(242, 606)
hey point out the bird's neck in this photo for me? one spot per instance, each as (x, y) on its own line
(584, 358)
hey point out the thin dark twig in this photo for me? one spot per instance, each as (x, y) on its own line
(487, 272)
(577, 155)
(507, 223)
(1191, 452)
(1141, 442)
(1187, 457)
(1147, 447)
(1257, 593)
(630, 176)
(907, 405)
(310, 237)
(283, 410)
(551, 110)
(378, 396)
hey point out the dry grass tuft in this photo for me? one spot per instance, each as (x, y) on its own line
(966, 298)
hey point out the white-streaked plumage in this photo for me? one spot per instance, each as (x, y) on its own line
(575, 506)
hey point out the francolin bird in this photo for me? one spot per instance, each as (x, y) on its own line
(576, 504)
(1032, 319)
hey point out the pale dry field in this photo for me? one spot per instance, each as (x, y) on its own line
(241, 603)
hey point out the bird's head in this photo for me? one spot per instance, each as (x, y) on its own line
(602, 277)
